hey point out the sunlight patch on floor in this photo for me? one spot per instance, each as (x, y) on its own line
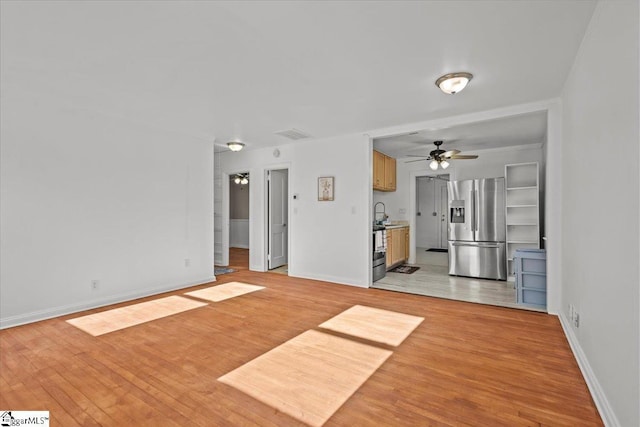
(374, 324)
(310, 376)
(225, 291)
(131, 315)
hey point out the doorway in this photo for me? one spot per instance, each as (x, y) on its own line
(431, 212)
(239, 209)
(277, 220)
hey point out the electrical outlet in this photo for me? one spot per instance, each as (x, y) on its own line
(95, 284)
(187, 262)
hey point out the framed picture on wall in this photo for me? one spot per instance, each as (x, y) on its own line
(325, 189)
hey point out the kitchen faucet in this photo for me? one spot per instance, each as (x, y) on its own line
(375, 212)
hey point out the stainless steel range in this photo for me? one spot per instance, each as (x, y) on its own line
(379, 253)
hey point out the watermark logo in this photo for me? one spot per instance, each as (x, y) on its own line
(24, 418)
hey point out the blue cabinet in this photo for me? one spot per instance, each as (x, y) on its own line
(531, 277)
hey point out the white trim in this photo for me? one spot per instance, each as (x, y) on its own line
(36, 316)
(332, 279)
(463, 118)
(597, 393)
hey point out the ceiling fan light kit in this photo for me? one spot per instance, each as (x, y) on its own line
(440, 157)
(453, 83)
(235, 145)
(241, 178)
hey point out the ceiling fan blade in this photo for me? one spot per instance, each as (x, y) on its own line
(463, 157)
(417, 155)
(419, 160)
(449, 154)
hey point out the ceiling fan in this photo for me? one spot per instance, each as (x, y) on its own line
(439, 157)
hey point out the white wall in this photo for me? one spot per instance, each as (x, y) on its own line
(601, 208)
(328, 240)
(331, 240)
(90, 196)
(239, 233)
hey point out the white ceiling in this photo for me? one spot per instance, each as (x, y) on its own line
(510, 131)
(245, 70)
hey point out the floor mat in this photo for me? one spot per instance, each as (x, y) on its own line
(437, 250)
(404, 269)
(217, 271)
(131, 315)
(310, 376)
(374, 324)
(225, 291)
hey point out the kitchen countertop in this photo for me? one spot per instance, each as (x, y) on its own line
(392, 226)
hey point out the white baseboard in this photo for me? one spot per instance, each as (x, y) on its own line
(36, 316)
(602, 403)
(324, 278)
(238, 245)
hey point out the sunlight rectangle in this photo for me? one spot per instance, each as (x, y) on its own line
(310, 376)
(374, 324)
(222, 292)
(131, 315)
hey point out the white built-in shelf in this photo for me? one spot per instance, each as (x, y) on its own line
(522, 209)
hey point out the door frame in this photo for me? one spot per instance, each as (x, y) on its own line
(290, 218)
(226, 214)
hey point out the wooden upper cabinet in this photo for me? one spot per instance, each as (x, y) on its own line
(384, 172)
(390, 173)
(378, 170)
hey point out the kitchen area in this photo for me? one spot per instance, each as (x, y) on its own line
(474, 232)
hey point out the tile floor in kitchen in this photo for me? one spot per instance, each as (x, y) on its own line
(432, 279)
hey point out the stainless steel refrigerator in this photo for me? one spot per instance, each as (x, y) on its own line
(477, 228)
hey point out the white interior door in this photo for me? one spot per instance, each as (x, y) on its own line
(278, 217)
(444, 217)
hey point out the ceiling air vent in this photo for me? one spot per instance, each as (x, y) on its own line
(294, 134)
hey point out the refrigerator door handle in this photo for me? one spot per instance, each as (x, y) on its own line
(474, 219)
(476, 214)
(475, 245)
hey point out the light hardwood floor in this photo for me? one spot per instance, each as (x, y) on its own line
(464, 365)
(433, 280)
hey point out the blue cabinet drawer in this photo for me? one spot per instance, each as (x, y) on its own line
(532, 281)
(530, 265)
(532, 297)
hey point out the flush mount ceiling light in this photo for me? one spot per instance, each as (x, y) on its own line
(453, 82)
(235, 146)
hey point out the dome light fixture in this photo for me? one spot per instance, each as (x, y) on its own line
(453, 83)
(235, 145)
